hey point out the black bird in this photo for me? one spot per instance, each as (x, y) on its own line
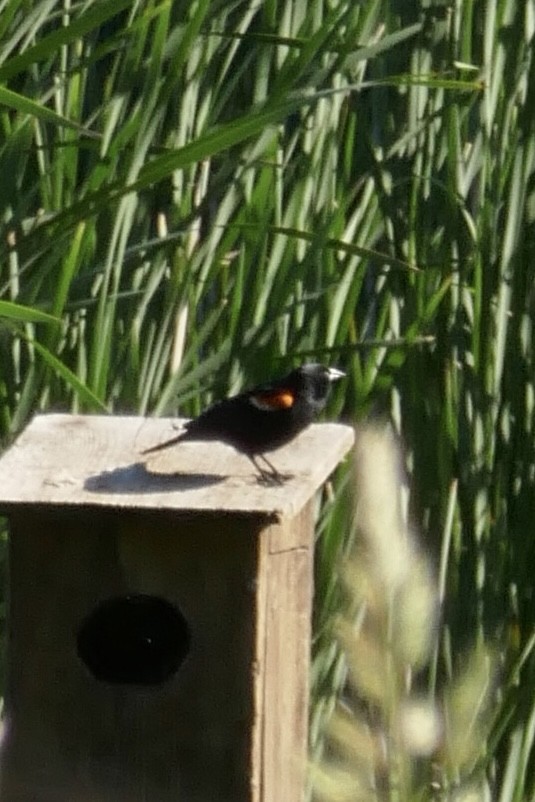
(264, 418)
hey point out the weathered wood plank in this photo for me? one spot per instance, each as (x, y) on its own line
(287, 621)
(97, 461)
(90, 522)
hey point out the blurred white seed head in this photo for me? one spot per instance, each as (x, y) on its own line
(415, 614)
(471, 792)
(397, 575)
(379, 511)
(466, 705)
(420, 726)
(387, 633)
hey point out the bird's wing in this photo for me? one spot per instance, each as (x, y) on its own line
(272, 399)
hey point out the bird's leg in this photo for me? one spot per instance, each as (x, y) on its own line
(272, 469)
(271, 476)
(265, 477)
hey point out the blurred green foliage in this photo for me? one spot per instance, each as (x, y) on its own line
(197, 195)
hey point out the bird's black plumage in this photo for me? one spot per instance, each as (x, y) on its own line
(265, 417)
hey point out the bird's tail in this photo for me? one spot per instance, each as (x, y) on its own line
(165, 444)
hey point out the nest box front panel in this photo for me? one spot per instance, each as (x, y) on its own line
(182, 595)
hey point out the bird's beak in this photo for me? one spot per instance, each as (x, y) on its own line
(333, 374)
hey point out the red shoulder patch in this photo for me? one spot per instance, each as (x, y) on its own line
(274, 400)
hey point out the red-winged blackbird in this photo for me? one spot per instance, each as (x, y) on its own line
(264, 418)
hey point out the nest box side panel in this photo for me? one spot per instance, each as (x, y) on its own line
(286, 621)
(70, 736)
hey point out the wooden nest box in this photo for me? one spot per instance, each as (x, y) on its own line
(159, 615)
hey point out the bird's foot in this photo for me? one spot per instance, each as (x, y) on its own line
(267, 479)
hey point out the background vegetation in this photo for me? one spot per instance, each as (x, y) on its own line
(195, 196)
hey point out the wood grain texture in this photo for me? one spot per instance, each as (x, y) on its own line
(96, 460)
(71, 737)
(287, 621)
(231, 725)
(88, 523)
